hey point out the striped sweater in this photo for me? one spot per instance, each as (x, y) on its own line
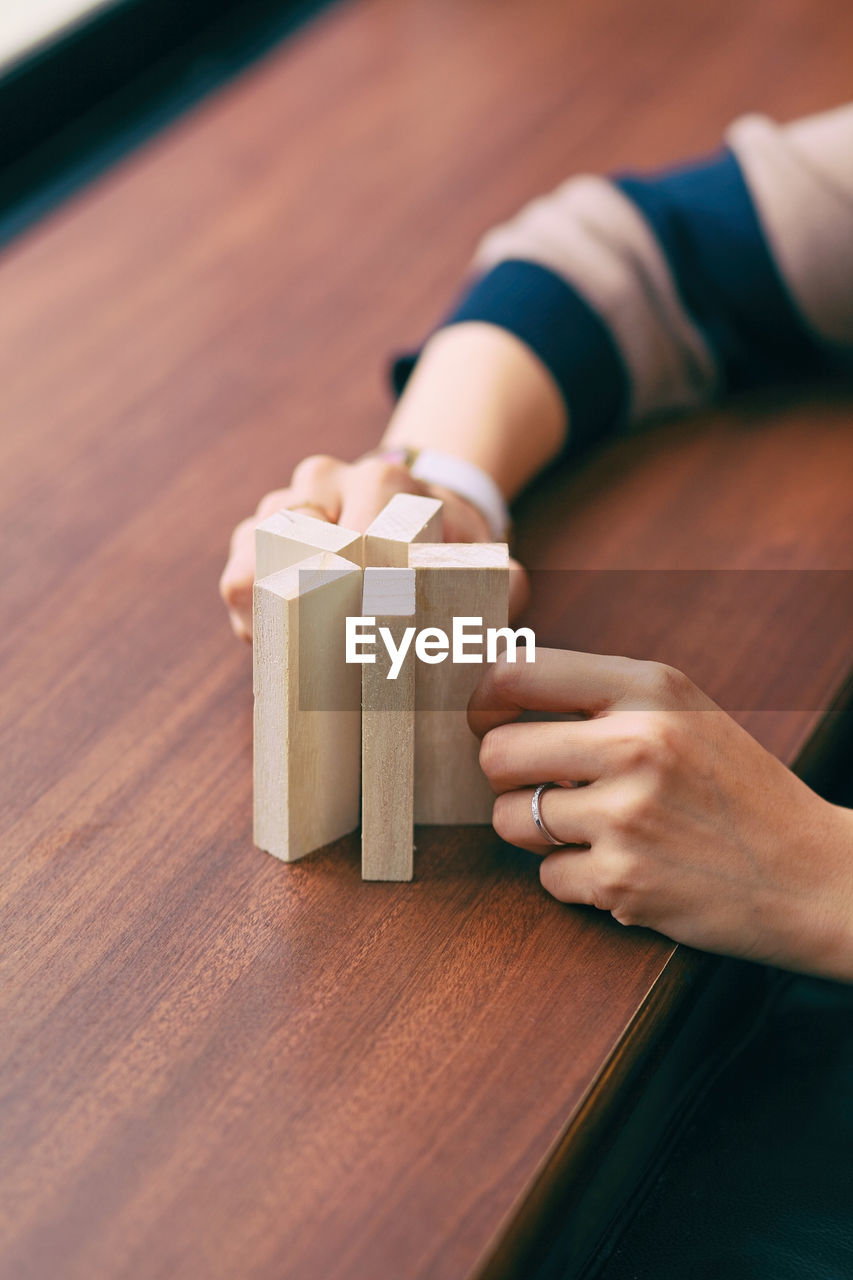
(645, 294)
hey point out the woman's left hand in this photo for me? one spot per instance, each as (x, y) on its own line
(685, 823)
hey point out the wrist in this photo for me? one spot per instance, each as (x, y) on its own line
(839, 950)
(445, 473)
(479, 394)
(825, 926)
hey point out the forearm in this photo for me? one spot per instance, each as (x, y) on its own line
(480, 393)
(612, 300)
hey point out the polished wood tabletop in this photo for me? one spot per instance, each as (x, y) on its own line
(215, 1065)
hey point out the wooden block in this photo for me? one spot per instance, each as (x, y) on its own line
(406, 519)
(307, 734)
(453, 580)
(287, 537)
(388, 732)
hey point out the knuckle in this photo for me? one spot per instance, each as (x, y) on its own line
(316, 467)
(618, 875)
(505, 675)
(624, 915)
(662, 684)
(384, 474)
(632, 744)
(620, 812)
(226, 587)
(648, 739)
(627, 810)
(268, 505)
(236, 595)
(233, 588)
(241, 628)
(664, 744)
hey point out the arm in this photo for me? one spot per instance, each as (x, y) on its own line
(609, 301)
(643, 295)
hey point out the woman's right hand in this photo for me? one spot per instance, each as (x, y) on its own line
(351, 494)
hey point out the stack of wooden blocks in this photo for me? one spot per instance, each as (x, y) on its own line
(334, 739)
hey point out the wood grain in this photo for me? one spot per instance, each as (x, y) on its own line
(213, 1064)
(286, 537)
(407, 518)
(454, 580)
(388, 728)
(307, 708)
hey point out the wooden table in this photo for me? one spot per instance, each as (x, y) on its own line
(213, 1064)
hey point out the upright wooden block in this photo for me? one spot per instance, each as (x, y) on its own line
(388, 732)
(287, 537)
(307, 732)
(453, 580)
(406, 519)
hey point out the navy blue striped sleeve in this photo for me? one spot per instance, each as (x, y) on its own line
(703, 218)
(643, 294)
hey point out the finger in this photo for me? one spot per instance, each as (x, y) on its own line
(239, 573)
(270, 503)
(317, 482)
(241, 624)
(573, 875)
(235, 584)
(239, 610)
(523, 755)
(317, 495)
(241, 551)
(239, 602)
(566, 812)
(368, 486)
(558, 680)
(460, 521)
(311, 509)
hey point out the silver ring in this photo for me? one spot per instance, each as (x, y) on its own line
(537, 812)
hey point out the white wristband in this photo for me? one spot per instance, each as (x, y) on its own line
(468, 481)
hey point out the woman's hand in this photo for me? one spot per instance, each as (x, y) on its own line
(684, 824)
(350, 494)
